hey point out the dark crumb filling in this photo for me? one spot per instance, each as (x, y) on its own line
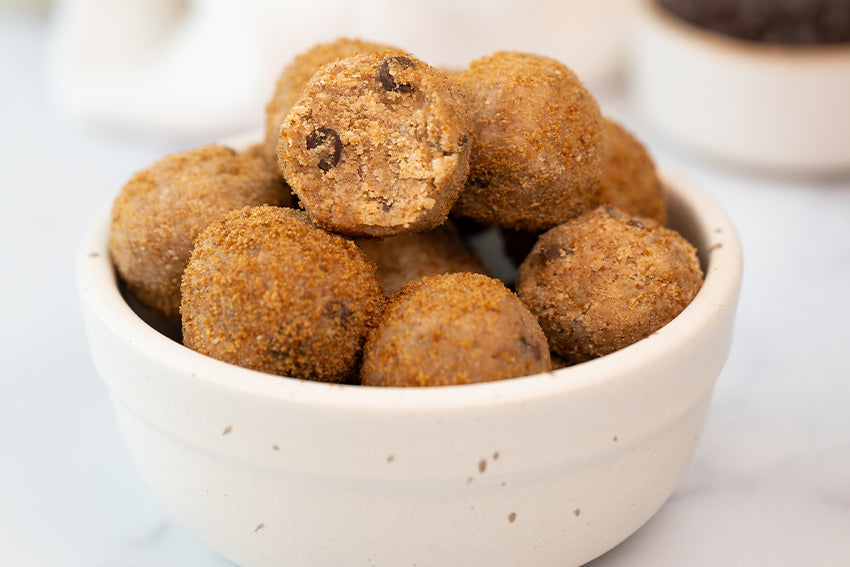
(786, 22)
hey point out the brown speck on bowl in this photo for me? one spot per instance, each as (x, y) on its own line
(512, 517)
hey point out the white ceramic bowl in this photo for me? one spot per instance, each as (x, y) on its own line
(552, 469)
(781, 108)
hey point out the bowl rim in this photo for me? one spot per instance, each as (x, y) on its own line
(99, 291)
(763, 52)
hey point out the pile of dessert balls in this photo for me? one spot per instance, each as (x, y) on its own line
(336, 250)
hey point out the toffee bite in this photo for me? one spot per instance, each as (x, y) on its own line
(162, 208)
(432, 334)
(267, 290)
(295, 76)
(377, 145)
(538, 145)
(606, 280)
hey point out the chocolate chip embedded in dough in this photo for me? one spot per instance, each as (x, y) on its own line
(388, 80)
(553, 252)
(329, 144)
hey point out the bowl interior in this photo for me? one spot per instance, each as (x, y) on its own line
(690, 211)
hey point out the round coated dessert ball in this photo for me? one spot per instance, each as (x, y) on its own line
(538, 144)
(457, 328)
(629, 180)
(265, 289)
(407, 257)
(606, 280)
(294, 77)
(377, 145)
(161, 210)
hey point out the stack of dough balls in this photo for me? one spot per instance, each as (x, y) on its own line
(331, 251)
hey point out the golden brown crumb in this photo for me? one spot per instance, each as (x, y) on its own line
(538, 145)
(453, 329)
(267, 290)
(606, 280)
(161, 210)
(406, 257)
(629, 180)
(292, 79)
(377, 145)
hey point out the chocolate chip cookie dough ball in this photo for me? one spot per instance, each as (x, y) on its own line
(453, 329)
(629, 180)
(538, 144)
(161, 210)
(267, 290)
(407, 257)
(294, 77)
(377, 145)
(606, 280)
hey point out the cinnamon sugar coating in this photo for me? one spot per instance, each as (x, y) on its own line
(538, 144)
(161, 210)
(295, 76)
(267, 290)
(453, 329)
(377, 145)
(629, 179)
(606, 280)
(406, 257)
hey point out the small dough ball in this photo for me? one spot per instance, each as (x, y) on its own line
(629, 180)
(407, 257)
(377, 145)
(294, 77)
(453, 329)
(538, 145)
(267, 290)
(161, 210)
(606, 280)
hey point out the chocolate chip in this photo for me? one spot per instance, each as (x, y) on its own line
(637, 223)
(386, 73)
(479, 181)
(577, 330)
(329, 145)
(533, 347)
(338, 310)
(554, 251)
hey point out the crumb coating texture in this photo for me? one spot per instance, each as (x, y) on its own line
(606, 280)
(454, 329)
(267, 290)
(161, 210)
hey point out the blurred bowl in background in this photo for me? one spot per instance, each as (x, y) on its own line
(774, 107)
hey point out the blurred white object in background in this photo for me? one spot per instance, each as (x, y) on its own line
(783, 108)
(207, 67)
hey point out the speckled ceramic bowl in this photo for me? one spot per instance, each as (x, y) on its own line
(546, 470)
(768, 107)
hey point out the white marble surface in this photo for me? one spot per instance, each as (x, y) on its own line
(769, 485)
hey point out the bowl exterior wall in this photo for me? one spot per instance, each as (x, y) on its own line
(557, 518)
